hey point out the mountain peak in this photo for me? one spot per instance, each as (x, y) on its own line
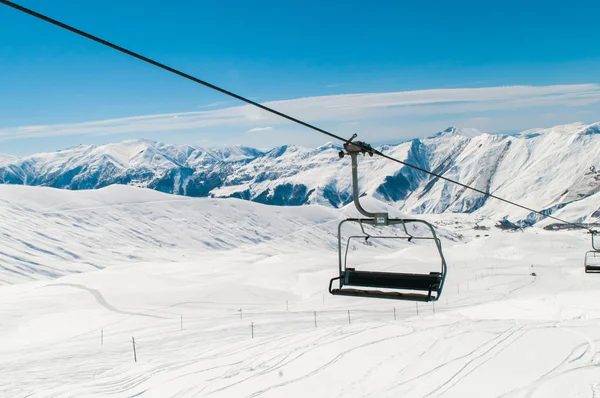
(591, 129)
(571, 128)
(235, 153)
(459, 131)
(327, 146)
(280, 150)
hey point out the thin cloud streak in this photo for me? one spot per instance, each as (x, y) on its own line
(333, 108)
(216, 104)
(258, 129)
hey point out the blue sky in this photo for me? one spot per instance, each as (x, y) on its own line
(422, 54)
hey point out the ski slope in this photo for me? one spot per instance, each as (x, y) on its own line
(192, 279)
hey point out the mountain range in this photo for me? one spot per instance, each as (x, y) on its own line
(555, 170)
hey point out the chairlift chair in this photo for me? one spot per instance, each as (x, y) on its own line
(590, 263)
(400, 286)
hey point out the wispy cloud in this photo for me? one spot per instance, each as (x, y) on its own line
(334, 109)
(257, 129)
(216, 104)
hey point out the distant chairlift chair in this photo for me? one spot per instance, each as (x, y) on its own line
(421, 287)
(592, 257)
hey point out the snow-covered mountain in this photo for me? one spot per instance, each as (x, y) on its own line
(546, 169)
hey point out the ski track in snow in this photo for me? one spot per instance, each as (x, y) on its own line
(466, 369)
(101, 300)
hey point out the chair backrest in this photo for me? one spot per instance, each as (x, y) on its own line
(592, 258)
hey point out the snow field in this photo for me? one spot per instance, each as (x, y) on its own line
(496, 331)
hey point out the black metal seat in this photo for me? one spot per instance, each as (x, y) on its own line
(592, 268)
(390, 280)
(426, 283)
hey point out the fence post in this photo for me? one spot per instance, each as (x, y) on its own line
(315, 318)
(134, 353)
(181, 322)
(417, 304)
(394, 313)
(240, 310)
(349, 321)
(252, 327)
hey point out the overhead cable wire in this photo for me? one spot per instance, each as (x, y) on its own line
(268, 109)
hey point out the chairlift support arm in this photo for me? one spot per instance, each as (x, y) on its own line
(353, 150)
(593, 232)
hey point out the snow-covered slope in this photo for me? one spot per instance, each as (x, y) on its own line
(228, 298)
(48, 233)
(545, 169)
